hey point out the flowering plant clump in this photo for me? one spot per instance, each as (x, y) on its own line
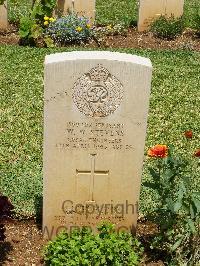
(69, 29)
(178, 212)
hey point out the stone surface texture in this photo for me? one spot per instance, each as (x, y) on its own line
(95, 118)
(149, 10)
(3, 16)
(81, 7)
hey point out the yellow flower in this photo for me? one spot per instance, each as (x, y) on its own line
(46, 18)
(52, 19)
(88, 26)
(46, 23)
(79, 29)
(109, 27)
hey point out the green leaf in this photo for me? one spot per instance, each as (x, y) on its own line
(177, 244)
(186, 180)
(181, 191)
(191, 225)
(177, 206)
(168, 174)
(154, 173)
(186, 208)
(196, 195)
(193, 210)
(196, 203)
(49, 5)
(170, 204)
(103, 260)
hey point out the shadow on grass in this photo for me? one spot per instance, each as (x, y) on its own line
(5, 248)
(133, 23)
(38, 210)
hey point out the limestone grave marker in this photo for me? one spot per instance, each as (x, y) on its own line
(149, 10)
(3, 16)
(95, 118)
(81, 7)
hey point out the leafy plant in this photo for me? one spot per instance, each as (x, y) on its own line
(82, 247)
(178, 215)
(43, 8)
(69, 29)
(26, 25)
(29, 31)
(32, 26)
(168, 28)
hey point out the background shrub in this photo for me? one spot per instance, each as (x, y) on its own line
(168, 28)
(82, 247)
(69, 29)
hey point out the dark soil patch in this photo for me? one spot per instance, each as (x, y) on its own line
(24, 244)
(132, 39)
(9, 36)
(5, 213)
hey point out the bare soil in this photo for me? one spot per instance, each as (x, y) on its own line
(24, 244)
(132, 39)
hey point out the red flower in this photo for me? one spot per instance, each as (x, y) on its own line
(158, 151)
(188, 134)
(197, 153)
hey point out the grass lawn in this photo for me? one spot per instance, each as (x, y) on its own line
(174, 108)
(108, 11)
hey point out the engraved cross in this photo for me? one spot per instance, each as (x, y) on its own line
(92, 174)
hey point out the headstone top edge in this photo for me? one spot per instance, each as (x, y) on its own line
(97, 55)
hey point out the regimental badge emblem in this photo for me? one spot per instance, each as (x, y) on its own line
(97, 93)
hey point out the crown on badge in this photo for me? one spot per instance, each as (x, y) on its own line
(99, 73)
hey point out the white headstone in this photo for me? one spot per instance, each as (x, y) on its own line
(95, 118)
(149, 10)
(3, 16)
(81, 7)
